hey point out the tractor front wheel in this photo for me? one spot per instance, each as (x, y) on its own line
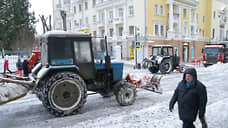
(65, 94)
(125, 93)
(166, 66)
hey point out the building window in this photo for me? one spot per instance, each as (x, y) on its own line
(162, 30)
(156, 10)
(87, 20)
(197, 17)
(192, 30)
(74, 10)
(131, 10)
(213, 33)
(110, 15)
(185, 13)
(185, 28)
(102, 16)
(95, 33)
(102, 32)
(227, 35)
(203, 19)
(156, 29)
(80, 22)
(214, 15)
(120, 31)
(80, 7)
(94, 3)
(111, 32)
(203, 33)
(75, 23)
(94, 19)
(86, 5)
(162, 10)
(131, 30)
(120, 12)
(66, 1)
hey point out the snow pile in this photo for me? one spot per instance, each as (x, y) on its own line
(11, 91)
(219, 68)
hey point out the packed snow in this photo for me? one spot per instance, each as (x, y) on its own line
(149, 111)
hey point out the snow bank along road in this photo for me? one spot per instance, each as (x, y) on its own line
(149, 111)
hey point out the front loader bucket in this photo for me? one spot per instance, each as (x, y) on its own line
(13, 87)
(150, 82)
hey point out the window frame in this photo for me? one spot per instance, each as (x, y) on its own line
(131, 10)
(156, 10)
(162, 10)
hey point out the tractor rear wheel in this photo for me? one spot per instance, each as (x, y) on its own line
(64, 94)
(166, 66)
(125, 93)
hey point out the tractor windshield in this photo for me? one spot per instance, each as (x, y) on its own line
(162, 51)
(156, 51)
(60, 51)
(213, 51)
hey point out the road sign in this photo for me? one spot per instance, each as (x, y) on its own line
(137, 44)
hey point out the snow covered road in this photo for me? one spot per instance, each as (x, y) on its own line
(149, 111)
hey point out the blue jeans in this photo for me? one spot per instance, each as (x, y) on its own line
(188, 124)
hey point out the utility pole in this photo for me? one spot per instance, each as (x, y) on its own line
(136, 63)
(50, 23)
(145, 34)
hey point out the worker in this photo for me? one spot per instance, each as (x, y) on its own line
(191, 96)
(19, 64)
(25, 68)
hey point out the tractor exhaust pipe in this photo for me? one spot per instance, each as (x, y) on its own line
(107, 57)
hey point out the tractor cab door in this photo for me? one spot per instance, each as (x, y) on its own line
(84, 58)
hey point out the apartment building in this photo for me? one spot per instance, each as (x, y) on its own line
(121, 20)
(186, 24)
(219, 21)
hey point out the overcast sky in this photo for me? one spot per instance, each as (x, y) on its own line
(41, 7)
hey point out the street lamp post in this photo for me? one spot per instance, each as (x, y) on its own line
(135, 48)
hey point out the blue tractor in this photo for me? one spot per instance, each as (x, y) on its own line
(67, 72)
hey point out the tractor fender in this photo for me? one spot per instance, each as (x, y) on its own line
(162, 58)
(45, 72)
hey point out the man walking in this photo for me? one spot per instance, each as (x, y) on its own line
(191, 96)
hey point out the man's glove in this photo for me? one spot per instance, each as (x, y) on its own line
(203, 122)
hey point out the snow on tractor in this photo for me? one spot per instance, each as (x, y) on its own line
(163, 59)
(67, 73)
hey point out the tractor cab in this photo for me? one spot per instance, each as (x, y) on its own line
(69, 52)
(162, 59)
(62, 51)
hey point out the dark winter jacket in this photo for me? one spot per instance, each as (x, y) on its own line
(25, 67)
(192, 99)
